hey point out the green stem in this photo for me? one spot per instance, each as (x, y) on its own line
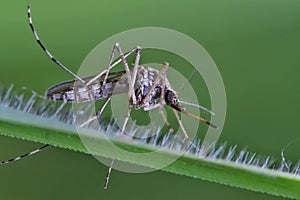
(19, 124)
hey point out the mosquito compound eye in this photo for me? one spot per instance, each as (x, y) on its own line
(170, 97)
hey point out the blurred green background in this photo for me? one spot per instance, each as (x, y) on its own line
(255, 45)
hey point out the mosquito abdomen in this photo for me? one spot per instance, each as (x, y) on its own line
(74, 91)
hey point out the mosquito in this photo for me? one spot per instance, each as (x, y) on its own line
(147, 89)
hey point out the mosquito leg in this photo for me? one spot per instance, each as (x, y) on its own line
(126, 119)
(50, 55)
(98, 114)
(184, 131)
(131, 81)
(137, 49)
(25, 155)
(135, 69)
(181, 126)
(47, 52)
(122, 132)
(131, 93)
(110, 66)
(171, 130)
(108, 174)
(134, 74)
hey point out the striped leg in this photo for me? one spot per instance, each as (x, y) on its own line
(25, 155)
(47, 52)
(108, 174)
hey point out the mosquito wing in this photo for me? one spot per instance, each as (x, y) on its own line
(75, 91)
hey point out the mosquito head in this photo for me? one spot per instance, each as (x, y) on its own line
(171, 99)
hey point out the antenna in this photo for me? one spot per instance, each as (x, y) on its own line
(197, 106)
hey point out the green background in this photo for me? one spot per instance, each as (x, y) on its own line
(255, 45)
